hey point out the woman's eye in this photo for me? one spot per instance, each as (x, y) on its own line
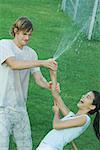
(88, 96)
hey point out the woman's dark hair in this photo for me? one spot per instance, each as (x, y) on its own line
(96, 122)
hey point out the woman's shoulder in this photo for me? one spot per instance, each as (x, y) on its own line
(70, 114)
(85, 118)
(88, 119)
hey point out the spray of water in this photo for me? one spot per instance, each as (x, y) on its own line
(64, 45)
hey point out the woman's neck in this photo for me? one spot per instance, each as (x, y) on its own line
(82, 111)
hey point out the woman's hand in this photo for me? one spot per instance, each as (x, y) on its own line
(55, 109)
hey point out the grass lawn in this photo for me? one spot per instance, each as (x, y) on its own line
(78, 71)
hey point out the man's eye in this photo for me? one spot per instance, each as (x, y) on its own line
(28, 34)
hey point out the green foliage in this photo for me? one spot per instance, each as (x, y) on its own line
(78, 71)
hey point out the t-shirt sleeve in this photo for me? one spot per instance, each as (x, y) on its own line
(5, 52)
(34, 56)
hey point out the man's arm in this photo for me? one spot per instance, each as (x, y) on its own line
(15, 64)
(40, 80)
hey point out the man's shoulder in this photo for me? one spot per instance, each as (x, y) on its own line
(5, 41)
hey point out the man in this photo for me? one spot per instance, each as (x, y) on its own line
(17, 60)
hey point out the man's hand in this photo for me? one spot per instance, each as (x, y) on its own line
(57, 86)
(51, 64)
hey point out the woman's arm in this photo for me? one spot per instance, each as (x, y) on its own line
(57, 98)
(56, 114)
(75, 122)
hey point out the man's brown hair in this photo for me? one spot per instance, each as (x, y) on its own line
(22, 24)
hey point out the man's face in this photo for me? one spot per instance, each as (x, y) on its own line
(23, 38)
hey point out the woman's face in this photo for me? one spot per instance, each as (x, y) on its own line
(86, 101)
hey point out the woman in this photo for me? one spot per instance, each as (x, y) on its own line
(72, 125)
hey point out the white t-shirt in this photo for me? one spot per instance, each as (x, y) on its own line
(57, 139)
(14, 83)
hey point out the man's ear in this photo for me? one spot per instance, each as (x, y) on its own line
(92, 107)
(15, 30)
